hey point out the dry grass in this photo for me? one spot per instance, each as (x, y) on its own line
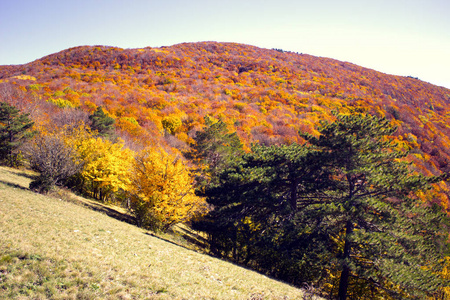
(53, 249)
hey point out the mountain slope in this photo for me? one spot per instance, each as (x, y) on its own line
(265, 95)
(55, 249)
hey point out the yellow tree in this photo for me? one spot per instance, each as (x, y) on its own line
(162, 192)
(106, 165)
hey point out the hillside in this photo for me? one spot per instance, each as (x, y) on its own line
(55, 249)
(147, 128)
(264, 95)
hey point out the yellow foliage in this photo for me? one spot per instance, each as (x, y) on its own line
(444, 293)
(164, 184)
(130, 125)
(183, 136)
(25, 77)
(171, 124)
(91, 106)
(130, 120)
(106, 165)
(61, 102)
(159, 50)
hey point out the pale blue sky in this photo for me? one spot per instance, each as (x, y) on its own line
(401, 37)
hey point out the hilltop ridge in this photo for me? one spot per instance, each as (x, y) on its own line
(266, 95)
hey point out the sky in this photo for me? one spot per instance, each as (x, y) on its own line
(399, 37)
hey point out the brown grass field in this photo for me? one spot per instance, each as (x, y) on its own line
(52, 248)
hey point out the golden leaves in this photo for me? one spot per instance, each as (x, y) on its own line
(164, 182)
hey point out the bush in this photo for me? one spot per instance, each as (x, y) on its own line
(53, 159)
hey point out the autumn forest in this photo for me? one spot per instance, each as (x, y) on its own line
(249, 147)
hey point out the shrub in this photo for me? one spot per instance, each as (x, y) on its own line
(53, 159)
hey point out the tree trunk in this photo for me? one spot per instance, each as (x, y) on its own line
(343, 283)
(345, 274)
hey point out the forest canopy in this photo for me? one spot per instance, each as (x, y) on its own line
(319, 157)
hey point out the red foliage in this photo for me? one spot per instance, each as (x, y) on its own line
(265, 95)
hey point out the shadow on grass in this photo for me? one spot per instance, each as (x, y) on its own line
(194, 238)
(169, 241)
(189, 237)
(27, 175)
(96, 207)
(19, 172)
(109, 212)
(14, 185)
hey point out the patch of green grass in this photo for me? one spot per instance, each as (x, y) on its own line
(54, 249)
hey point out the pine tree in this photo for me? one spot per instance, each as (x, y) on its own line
(102, 123)
(345, 204)
(14, 130)
(252, 201)
(214, 148)
(384, 232)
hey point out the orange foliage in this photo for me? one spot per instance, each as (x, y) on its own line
(264, 95)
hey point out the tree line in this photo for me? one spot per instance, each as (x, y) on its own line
(88, 158)
(343, 212)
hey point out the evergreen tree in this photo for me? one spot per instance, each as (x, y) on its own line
(14, 130)
(254, 201)
(214, 147)
(384, 233)
(102, 123)
(344, 205)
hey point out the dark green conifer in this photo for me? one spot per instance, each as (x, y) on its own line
(343, 204)
(386, 234)
(215, 147)
(14, 130)
(102, 123)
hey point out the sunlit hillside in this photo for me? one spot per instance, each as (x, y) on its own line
(265, 95)
(52, 248)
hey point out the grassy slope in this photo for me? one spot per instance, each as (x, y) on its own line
(55, 249)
